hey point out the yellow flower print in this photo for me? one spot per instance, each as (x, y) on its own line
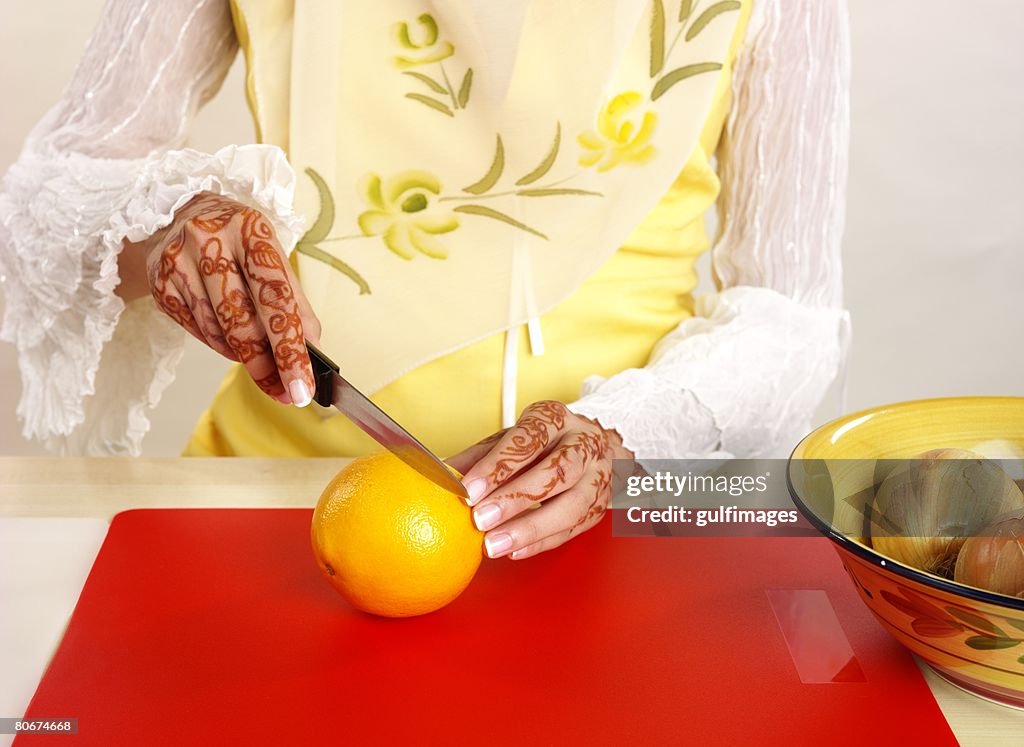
(425, 48)
(405, 212)
(623, 134)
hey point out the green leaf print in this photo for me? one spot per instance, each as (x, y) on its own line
(549, 191)
(710, 14)
(322, 226)
(432, 103)
(315, 252)
(549, 160)
(986, 643)
(467, 83)
(976, 621)
(493, 173)
(657, 38)
(433, 84)
(486, 212)
(685, 9)
(680, 74)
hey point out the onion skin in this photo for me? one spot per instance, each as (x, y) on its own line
(926, 509)
(994, 559)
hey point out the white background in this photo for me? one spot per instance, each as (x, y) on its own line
(934, 259)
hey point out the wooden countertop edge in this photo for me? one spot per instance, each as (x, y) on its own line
(104, 486)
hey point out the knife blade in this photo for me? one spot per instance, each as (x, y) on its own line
(333, 389)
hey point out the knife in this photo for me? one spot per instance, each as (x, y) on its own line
(333, 389)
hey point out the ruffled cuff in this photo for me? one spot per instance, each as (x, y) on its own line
(740, 379)
(256, 175)
(91, 369)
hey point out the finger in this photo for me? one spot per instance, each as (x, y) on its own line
(219, 273)
(169, 300)
(263, 267)
(206, 319)
(204, 316)
(562, 468)
(470, 456)
(559, 538)
(311, 328)
(563, 515)
(165, 292)
(245, 335)
(236, 315)
(525, 442)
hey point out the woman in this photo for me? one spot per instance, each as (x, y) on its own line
(504, 206)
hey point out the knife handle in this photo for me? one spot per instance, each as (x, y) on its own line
(323, 375)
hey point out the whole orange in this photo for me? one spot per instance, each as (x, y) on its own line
(391, 541)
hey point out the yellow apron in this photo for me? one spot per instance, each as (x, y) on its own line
(608, 324)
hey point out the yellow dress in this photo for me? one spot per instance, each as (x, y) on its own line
(609, 324)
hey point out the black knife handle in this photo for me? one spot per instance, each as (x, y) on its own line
(323, 375)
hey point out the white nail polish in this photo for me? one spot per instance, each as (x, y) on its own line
(476, 489)
(300, 393)
(497, 544)
(487, 516)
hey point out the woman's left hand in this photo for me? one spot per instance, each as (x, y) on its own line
(541, 482)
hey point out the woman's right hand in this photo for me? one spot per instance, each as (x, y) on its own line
(219, 271)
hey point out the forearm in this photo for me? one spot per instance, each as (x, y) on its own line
(745, 374)
(131, 268)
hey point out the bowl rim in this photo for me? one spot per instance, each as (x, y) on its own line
(875, 558)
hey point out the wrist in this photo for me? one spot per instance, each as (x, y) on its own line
(133, 260)
(132, 264)
(615, 444)
(616, 450)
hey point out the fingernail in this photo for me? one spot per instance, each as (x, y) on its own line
(299, 392)
(486, 517)
(476, 489)
(497, 544)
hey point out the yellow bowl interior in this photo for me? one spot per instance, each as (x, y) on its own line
(835, 469)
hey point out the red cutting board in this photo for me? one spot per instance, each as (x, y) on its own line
(216, 627)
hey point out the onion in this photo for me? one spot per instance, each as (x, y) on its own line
(927, 507)
(994, 559)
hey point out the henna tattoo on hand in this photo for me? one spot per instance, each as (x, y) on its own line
(536, 429)
(271, 384)
(265, 269)
(228, 317)
(586, 446)
(602, 485)
(536, 424)
(162, 282)
(235, 311)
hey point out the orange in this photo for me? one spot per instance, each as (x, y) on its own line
(391, 541)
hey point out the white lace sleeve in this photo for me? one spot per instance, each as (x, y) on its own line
(98, 168)
(744, 375)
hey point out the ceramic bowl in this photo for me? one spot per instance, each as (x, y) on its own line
(973, 638)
